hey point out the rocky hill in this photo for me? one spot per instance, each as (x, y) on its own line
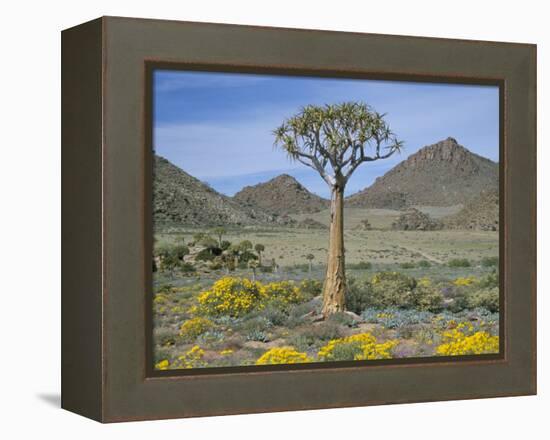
(282, 195)
(482, 213)
(442, 174)
(179, 198)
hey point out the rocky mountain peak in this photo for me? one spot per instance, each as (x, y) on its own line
(281, 195)
(441, 174)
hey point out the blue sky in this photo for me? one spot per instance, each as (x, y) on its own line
(218, 126)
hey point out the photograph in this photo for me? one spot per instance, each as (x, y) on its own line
(302, 219)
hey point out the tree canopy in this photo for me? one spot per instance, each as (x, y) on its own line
(335, 139)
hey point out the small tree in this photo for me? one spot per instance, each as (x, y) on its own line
(274, 266)
(245, 245)
(219, 232)
(228, 261)
(253, 264)
(309, 258)
(234, 251)
(259, 248)
(334, 140)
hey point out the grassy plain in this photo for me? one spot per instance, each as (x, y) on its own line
(381, 245)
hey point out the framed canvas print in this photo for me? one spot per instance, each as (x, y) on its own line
(262, 219)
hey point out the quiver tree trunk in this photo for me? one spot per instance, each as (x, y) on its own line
(334, 289)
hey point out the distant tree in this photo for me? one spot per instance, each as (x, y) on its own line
(219, 232)
(259, 248)
(227, 262)
(274, 266)
(234, 251)
(253, 264)
(309, 258)
(245, 245)
(334, 140)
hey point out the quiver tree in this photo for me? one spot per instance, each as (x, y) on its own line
(219, 232)
(310, 258)
(253, 264)
(334, 140)
(259, 248)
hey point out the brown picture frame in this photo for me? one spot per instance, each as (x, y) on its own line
(107, 372)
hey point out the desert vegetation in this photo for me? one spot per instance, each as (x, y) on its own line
(213, 308)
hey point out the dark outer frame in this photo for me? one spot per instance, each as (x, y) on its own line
(106, 173)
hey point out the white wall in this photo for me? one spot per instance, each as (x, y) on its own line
(30, 217)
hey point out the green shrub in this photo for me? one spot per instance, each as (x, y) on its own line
(256, 328)
(256, 324)
(459, 303)
(459, 262)
(424, 264)
(296, 313)
(346, 352)
(487, 298)
(170, 262)
(310, 288)
(358, 296)
(489, 262)
(164, 337)
(274, 315)
(314, 335)
(324, 331)
(427, 298)
(192, 328)
(180, 251)
(257, 335)
(204, 255)
(490, 280)
(407, 265)
(362, 265)
(165, 288)
(186, 267)
(391, 289)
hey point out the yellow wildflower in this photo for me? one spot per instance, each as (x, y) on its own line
(283, 355)
(467, 281)
(162, 365)
(457, 343)
(364, 347)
